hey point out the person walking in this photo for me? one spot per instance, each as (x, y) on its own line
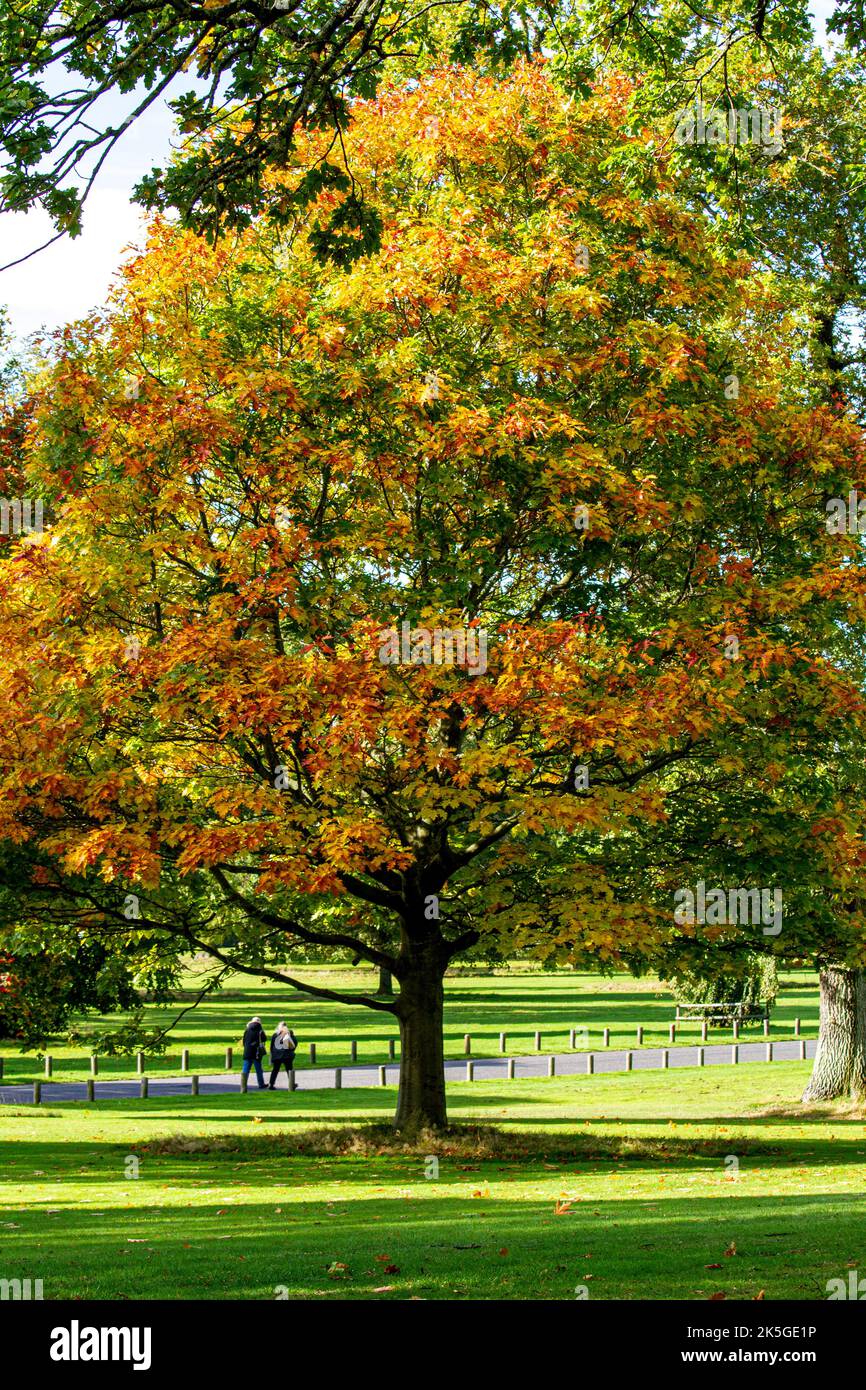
(255, 1043)
(283, 1045)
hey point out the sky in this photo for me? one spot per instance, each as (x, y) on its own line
(66, 280)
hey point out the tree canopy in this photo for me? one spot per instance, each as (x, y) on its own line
(555, 416)
(255, 71)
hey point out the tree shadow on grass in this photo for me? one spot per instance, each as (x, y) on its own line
(437, 1244)
(649, 1145)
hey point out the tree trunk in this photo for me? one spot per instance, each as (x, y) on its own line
(840, 1062)
(421, 1098)
(386, 984)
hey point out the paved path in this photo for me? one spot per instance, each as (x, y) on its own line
(485, 1069)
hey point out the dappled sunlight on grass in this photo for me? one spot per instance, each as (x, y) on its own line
(621, 1184)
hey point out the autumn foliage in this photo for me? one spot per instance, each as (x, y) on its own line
(517, 416)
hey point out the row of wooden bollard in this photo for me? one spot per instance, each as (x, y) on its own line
(467, 1046)
(629, 1060)
(144, 1085)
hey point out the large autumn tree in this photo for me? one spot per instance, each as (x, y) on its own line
(550, 411)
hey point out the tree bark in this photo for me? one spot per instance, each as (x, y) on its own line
(840, 1062)
(386, 984)
(421, 1098)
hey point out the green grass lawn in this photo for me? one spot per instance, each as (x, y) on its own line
(624, 1185)
(517, 1003)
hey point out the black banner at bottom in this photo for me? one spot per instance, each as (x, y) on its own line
(76, 1342)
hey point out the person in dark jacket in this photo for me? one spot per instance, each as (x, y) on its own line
(283, 1045)
(255, 1044)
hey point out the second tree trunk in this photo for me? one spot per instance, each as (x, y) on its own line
(840, 1062)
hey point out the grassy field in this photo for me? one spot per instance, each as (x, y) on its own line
(654, 1185)
(660, 1185)
(518, 1003)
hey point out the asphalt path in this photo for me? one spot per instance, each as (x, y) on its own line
(483, 1069)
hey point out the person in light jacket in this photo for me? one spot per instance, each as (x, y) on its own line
(283, 1045)
(255, 1043)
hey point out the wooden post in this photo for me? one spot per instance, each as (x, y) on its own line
(510, 1072)
(665, 1058)
(802, 1049)
(193, 1085)
(538, 1042)
(735, 1052)
(392, 1053)
(736, 1029)
(338, 1078)
(629, 1061)
(90, 1088)
(607, 1037)
(796, 1027)
(470, 1071)
(229, 1058)
(184, 1060)
(383, 1081)
(312, 1054)
(701, 1056)
(354, 1050)
(144, 1088)
(94, 1064)
(571, 1037)
(551, 1066)
(590, 1063)
(703, 1030)
(766, 1027)
(139, 1063)
(1, 1068)
(48, 1065)
(672, 1033)
(768, 1052)
(37, 1092)
(467, 1044)
(293, 1084)
(640, 1037)
(501, 1042)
